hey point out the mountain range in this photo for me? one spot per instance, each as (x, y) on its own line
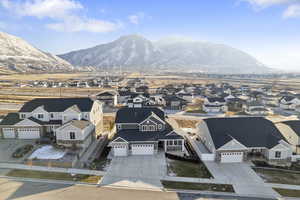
(134, 52)
(18, 56)
(131, 52)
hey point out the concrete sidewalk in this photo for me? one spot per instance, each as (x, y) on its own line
(51, 169)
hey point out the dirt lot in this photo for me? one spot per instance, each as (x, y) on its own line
(279, 176)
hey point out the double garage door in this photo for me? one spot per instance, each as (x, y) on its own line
(142, 149)
(28, 133)
(232, 157)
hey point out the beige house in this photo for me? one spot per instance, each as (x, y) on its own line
(75, 133)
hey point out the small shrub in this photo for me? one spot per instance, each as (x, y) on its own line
(20, 152)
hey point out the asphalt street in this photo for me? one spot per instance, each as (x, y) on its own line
(12, 189)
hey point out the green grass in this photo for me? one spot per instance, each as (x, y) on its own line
(188, 169)
(288, 193)
(278, 176)
(54, 175)
(197, 186)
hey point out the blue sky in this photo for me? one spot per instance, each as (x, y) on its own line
(266, 29)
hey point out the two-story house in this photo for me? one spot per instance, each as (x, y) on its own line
(144, 131)
(214, 105)
(46, 117)
(109, 98)
(289, 102)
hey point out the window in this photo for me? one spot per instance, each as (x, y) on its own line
(152, 128)
(23, 116)
(52, 115)
(159, 126)
(277, 154)
(72, 135)
(40, 116)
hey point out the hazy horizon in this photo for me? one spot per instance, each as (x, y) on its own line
(265, 29)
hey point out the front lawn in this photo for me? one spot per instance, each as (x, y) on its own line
(288, 193)
(187, 169)
(54, 175)
(197, 186)
(278, 176)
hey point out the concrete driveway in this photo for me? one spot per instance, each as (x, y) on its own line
(142, 172)
(245, 181)
(9, 146)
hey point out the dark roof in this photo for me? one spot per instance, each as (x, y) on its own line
(294, 125)
(173, 98)
(137, 115)
(51, 122)
(249, 131)
(58, 104)
(107, 93)
(215, 99)
(10, 119)
(287, 98)
(138, 136)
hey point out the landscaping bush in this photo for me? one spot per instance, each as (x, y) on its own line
(20, 152)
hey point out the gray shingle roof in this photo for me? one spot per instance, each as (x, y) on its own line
(137, 115)
(250, 131)
(58, 104)
(11, 119)
(294, 125)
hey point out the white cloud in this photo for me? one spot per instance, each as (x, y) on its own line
(267, 3)
(292, 11)
(136, 18)
(65, 14)
(76, 24)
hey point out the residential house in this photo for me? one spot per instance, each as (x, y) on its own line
(238, 139)
(109, 98)
(214, 104)
(41, 117)
(291, 132)
(173, 102)
(289, 102)
(255, 108)
(144, 131)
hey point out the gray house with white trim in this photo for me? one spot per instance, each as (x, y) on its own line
(144, 131)
(237, 139)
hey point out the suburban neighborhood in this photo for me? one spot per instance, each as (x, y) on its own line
(210, 137)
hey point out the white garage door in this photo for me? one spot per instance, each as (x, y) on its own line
(120, 150)
(232, 157)
(142, 149)
(8, 133)
(28, 133)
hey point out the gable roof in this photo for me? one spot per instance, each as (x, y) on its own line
(58, 104)
(137, 115)
(216, 99)
(287, 98)
(11, 119)
(249, 131)
(294, 125)
(107, 93)
(80, 124)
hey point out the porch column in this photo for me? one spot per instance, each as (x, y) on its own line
(182, 145)
(165, 145)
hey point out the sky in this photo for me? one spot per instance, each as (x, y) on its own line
(269, 30)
